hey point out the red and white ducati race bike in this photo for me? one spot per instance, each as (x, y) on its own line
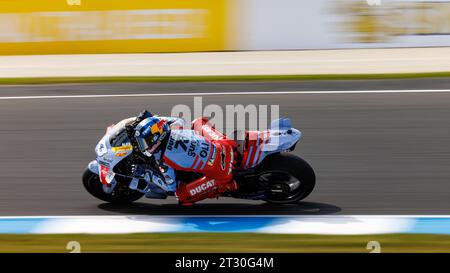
(263, 167)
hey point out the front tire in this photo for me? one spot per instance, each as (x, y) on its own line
(289, 178)
(121, 194)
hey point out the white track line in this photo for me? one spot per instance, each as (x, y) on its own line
(225, 94)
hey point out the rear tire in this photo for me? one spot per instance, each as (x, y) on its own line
(121, 194)
(287, 166)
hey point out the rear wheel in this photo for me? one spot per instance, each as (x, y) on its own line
(288, 178)
(121, 194)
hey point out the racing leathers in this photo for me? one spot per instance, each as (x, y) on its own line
(192, 151)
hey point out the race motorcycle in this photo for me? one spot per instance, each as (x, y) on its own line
(262, 167)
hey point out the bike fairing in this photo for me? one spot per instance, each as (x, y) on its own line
(203, 150)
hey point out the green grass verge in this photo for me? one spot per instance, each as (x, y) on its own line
(224, 242)
(56, 80)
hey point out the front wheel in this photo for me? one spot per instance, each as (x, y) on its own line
(287, 177)
(121, 194)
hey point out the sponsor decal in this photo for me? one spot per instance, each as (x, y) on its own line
(178, 142)
(211, 132)
(204, 149)
(124, 148)
(201, 188)
(121, 154)
(192, 148)
(157, 128)
(213, 156)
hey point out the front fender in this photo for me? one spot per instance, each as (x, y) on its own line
(93, 167)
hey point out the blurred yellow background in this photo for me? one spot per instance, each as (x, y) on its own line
(113, 26)
(141, 26)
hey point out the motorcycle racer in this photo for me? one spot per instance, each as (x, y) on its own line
(160, 156)
(177, 148)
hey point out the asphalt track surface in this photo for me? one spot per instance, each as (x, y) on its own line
(373, 153)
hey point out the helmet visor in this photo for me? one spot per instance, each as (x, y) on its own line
(143, 145)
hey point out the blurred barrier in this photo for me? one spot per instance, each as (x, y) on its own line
(117, 26)
(338, 225)
(330, 24)
(112, 26)
(258, 63)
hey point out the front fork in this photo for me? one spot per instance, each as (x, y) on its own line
(151, 190)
